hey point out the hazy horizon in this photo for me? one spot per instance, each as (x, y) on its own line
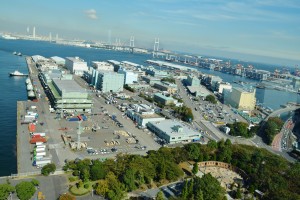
(263, 31)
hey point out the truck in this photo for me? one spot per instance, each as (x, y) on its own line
(39, 143)
(43, 153)
(42, 162)
(39, 150)
(38, 158)
(41, 134)
(37, 139)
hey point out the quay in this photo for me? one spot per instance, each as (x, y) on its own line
(45, 123)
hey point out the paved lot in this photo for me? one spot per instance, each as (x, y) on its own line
(51, 186)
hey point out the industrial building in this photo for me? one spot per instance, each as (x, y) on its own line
(66, 94)
(198, 91)
(156, 73)
(296, 83)
(102, 66)
(166, 87)
(109, 81)
(143, 114)
(174, 131)
(258, 74)
(242, 99)
(164, 100)
(150, 80)
(58, 60)
(129, 76)
(220, 86)
(192, 81)
(76, 65)
(211, 81)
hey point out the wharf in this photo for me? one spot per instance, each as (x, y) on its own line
(45, 123)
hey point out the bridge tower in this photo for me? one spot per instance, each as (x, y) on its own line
(155, 47)
(131, 41)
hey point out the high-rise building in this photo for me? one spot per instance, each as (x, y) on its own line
(110, 81)
(239, 98)
(33, 32)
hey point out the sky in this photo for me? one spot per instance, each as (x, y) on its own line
(251, 30)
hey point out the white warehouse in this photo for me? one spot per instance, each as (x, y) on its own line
(129, 76)
(76, 65)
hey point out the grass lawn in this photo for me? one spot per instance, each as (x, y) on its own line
(81, 191)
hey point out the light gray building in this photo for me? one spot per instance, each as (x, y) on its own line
(174, 131)
(193, 80)
(67, 95)
(110, 81)
(76, 65)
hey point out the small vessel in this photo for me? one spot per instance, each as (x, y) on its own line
(19, 54)
(30, 94)
(15, 53)
(17, 73)
(29, 87)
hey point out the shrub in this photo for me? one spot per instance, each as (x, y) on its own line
(35, 182)
(49, 168)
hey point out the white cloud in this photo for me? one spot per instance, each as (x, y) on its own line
(91, 13)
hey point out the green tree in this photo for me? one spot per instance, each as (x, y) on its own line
(160, 196)
(49, 168)
(212, 144)
(35, 182)
(102, 188)
(116, 191)
(185, 192)
(85, 175)
(210, 187)
(195, 168)
(97, 170)
(193, 151)
(211, 99)
(25, 190)
(129, 179)
(5, 190)
(168, 79)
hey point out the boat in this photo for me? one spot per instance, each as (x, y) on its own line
(15, 53)
(17, 73)
(19, 54)
(30, 94)
(8, 37)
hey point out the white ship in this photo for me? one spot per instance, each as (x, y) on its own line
(8, 37)
(17, 73)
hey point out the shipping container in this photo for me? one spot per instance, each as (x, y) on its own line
(39, 150)
(38, 158)
(37, 139)
(41, 163)
(43, 153)
(40, 145)
(74, 119)
(36, 136)
(41, 134)
(31, 127)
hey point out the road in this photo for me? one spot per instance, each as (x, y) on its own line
(214, 133)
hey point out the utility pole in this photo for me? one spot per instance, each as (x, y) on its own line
(78, 135)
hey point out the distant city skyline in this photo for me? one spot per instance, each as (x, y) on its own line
(258, 30)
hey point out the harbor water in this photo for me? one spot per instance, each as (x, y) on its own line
(12, 89)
